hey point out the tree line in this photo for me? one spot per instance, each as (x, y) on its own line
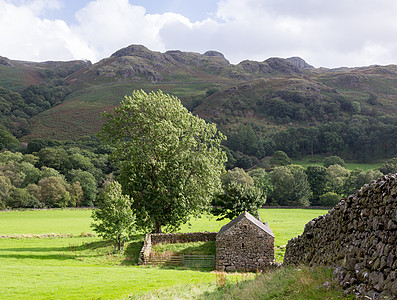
(54, 174)
(360, 138)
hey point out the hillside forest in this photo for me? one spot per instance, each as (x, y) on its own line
(270, 111)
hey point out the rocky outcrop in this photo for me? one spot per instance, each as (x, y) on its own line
(299, 63)
(357, 237)
(282, 66)
(220, 57)
(255, 67)
(5, 62)
(187, 58)
(139, 51)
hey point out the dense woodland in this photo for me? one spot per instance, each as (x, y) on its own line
(52, 173)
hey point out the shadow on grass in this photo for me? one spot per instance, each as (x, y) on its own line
(131, 252)
(102, 250)
(41, 253)
(39, 256)
(89, 246)
(199, 248)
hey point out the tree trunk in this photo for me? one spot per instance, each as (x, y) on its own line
(157, 228)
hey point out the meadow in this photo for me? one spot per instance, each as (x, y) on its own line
(81, 266)
(318, 160)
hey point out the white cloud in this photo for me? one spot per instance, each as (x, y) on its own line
(325, 33)
(110, 25)
(26, 36)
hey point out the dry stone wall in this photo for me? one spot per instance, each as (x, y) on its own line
(172, 238)
(357, 237)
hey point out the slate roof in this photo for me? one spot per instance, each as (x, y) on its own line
(249, 217)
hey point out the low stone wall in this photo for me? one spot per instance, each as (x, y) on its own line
(172, 238)
(358, 237)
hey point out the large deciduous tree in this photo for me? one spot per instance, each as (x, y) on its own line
(170, 160)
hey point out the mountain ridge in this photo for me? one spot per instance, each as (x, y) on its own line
(207, 84)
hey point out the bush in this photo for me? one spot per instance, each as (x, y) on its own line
(333, 160)
(329, 199)
(21, 198)
(280, 158)
(389, 167)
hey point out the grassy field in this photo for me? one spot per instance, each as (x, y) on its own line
(81, 267)
(46, 221)
(307, 161)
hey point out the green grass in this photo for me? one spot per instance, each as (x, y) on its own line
(86, 267)
(193, 248)
(287, 283)
(317, 160)
(46, 221)
(81, 268)
(80, 114)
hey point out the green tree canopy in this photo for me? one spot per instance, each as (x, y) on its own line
(237, 198)
(290, 186)
(88, 185)
(357, 178)
(329, 199)
(237, 175)
(170, 160)
(333, 160)
(389, 167)
(262, 180)
(114, 219)
(280, 158)
(336, 177)
(316, 176)
(52, 191)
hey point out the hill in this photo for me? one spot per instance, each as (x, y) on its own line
(190, 76)
(269, 96)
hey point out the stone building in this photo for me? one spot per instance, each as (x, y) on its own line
(244, 244)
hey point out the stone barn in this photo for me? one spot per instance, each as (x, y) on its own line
(244, 244)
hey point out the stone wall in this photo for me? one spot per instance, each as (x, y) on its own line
(244, 247)
(357, 237)
(172, 238)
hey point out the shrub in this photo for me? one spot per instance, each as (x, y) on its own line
(280, 158)
(333, 160)
(21, 198)
(389, 167)
(329, 199)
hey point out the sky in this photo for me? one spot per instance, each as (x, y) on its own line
(325, 33)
